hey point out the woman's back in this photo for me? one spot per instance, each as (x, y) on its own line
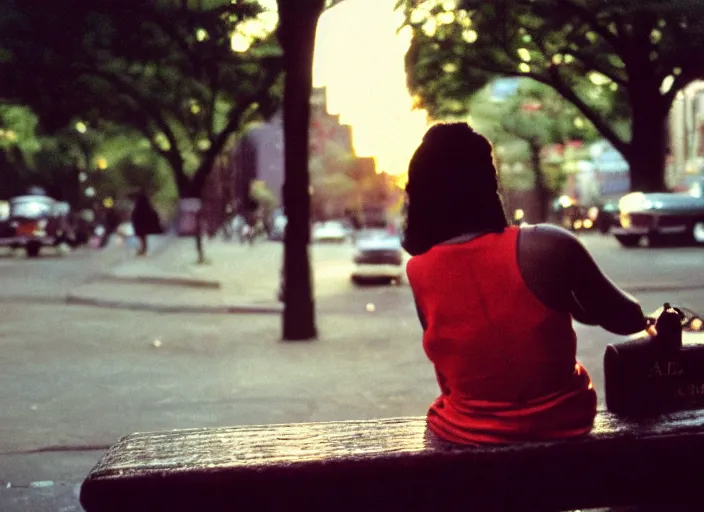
(498, 351)
(478, 306)
(497, 308)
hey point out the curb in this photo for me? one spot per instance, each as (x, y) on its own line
(77, 300)
(661, 287)
(173, 281)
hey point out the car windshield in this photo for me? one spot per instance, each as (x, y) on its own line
(380, 240)
(331, 225)
(30, 209)
(374, 233)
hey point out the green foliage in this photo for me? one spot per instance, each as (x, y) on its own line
(534, 117)
(536, 113)
(18, 140)
(617, 61)
(18, 125)
(329, 169)
(131, 166)
(332, 159)
(265, 198)
(108, 158)
(165, 69)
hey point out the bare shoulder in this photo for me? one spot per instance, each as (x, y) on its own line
(549, 240)
(549, 232)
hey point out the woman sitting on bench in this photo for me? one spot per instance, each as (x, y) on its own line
(496, 302)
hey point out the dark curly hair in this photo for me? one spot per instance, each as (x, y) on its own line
(452, 188)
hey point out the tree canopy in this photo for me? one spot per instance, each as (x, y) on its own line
(612, 59)
(534, 113)
(166, 69)
(18, 146)
(535, 116)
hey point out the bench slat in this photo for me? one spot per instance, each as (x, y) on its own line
(392, 464)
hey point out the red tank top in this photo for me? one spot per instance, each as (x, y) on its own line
(504, 361)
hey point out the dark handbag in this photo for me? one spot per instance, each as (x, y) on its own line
(656, 373)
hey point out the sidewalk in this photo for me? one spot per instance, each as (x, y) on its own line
(245, 279)
(235, 278)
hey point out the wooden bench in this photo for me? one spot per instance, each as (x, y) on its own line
(392, 464)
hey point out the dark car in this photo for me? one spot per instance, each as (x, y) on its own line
(607, 217)
(658, 216)
(33, 222)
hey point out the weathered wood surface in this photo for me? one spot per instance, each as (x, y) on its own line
(392, 464)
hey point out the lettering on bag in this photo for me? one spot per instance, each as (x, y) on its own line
(666, 369)
(690, 390)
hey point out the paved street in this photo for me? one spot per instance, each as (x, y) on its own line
(51, 276)
(73, 379)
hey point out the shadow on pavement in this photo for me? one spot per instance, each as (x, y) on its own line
(369, 282)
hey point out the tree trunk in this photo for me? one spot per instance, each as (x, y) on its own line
(200, 177)
(649, 112)
(542, 191)
(199, 239)
(648, 147)
(197, 183)
(190, 193)
(298, 21)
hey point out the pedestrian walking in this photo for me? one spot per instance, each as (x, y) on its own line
(145, 221)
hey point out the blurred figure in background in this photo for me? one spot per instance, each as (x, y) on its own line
(145, 221)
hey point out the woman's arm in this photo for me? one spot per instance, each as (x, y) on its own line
(562, 273)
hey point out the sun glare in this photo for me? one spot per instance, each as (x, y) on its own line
(359, 57)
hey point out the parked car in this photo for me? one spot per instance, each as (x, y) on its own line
(4, 218)
(36, 221)
(378, 254)
(570, 214)
(658, 216)
(607, 217)
(330, 231)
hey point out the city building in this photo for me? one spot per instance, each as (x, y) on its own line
(686, 127)
(259, 154)
(610, 170)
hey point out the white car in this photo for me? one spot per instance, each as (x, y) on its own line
(330, 231)
(378, 255)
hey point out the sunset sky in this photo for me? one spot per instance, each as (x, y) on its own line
(359, 58)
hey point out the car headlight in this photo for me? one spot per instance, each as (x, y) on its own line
(632, 202)
(625, 220)
(40, 228)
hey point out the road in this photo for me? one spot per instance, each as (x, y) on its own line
(52, 275)
(647, 273)
(74, 379)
